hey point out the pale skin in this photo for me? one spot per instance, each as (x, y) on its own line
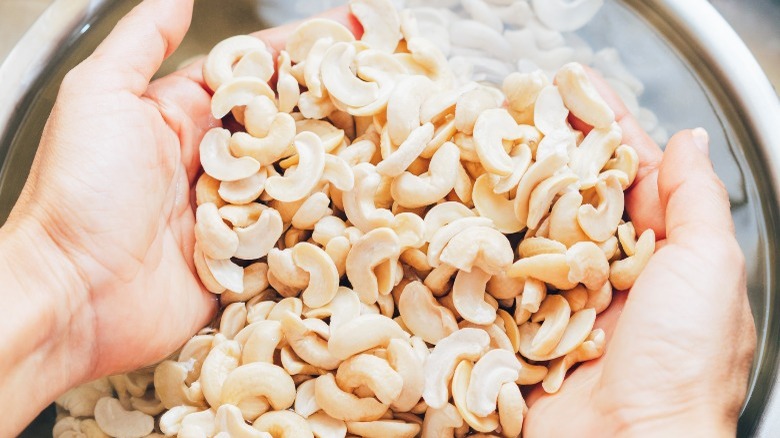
(96, 258)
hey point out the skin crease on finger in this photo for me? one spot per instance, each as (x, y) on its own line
(674, 341)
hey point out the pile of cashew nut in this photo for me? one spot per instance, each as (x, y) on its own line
(396, 254)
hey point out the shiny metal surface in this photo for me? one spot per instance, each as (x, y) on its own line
(696, 70)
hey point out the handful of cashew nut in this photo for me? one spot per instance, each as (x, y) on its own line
(396, 254)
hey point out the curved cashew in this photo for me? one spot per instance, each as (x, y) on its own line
(481, 247)
(538, 172)
(533, 246)
(283, 424)
(305, 403)
(587, 265)
(80, 401)
(493, 126)
(405, 361)
(237, 56)
(381, 23)
(256, 240)
(403, 107)
(286, 84)
(323, 276)
(343, 405)
(198, 424)
(510, 328)
(470, 105)
(383, 428)
(256, 380)
(497, 207)
(331, 137)
(244, 191)
(522, 90)
(170, 421)
(259, 115)
(511, 410)
(238, 92)
(502, 287)
(325, 426)
(217, 160)
(303, 38)
(364, 333)
(344, 307)
(372, 372)
(409, 150)
(270, 148)
(443, 214)
(368, 254)
(341, 82)
(600, 223)
(623, 273)
(291, 304)
(625, 160)
(564, 226)
(438, 280)
(489, 374)
(461, 380)
(259, 341)
(295, 366)
(582, 98)
(550, 114)
(170, 385)
(423, 315)
(314, 208)
(466, 343)
(592, 348)
(229, 421)
(442, 422)
(498, 337)
(233, 320)
(468, 297)
(221, 360)
(359, 203)
(310, 347)
(552, 269)
(593, 153)
(207, 190)
(443, 235)
(225, 273)
(298, 183)
(413, 191)
(579, 327)
(627, 236)
(114, 420)
(543, 195)
(555, 313)
(242, 216)
(437, 105)
(521, 158)
(215, 238)
(565, 16)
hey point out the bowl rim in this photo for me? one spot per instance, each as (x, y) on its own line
(711, 44)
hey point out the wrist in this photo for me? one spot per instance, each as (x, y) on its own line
(45, 344)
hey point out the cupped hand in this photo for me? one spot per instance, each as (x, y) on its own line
(680, 343)
(111, 186)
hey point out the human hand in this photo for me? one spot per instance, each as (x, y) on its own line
(110, 186)
(680, 343)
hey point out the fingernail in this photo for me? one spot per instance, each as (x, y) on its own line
(702, 140)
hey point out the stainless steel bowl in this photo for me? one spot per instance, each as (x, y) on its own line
(696, 70)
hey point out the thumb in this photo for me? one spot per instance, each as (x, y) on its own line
(696, 201)
(136, 48)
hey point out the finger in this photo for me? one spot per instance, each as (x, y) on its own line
(695, 200)
(136, 48)
(642, 201)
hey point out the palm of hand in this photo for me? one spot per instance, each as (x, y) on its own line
(122, 205)
(681, 345)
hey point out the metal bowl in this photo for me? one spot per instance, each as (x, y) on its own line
(696, 70)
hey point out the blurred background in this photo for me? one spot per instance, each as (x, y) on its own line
(757, 22)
